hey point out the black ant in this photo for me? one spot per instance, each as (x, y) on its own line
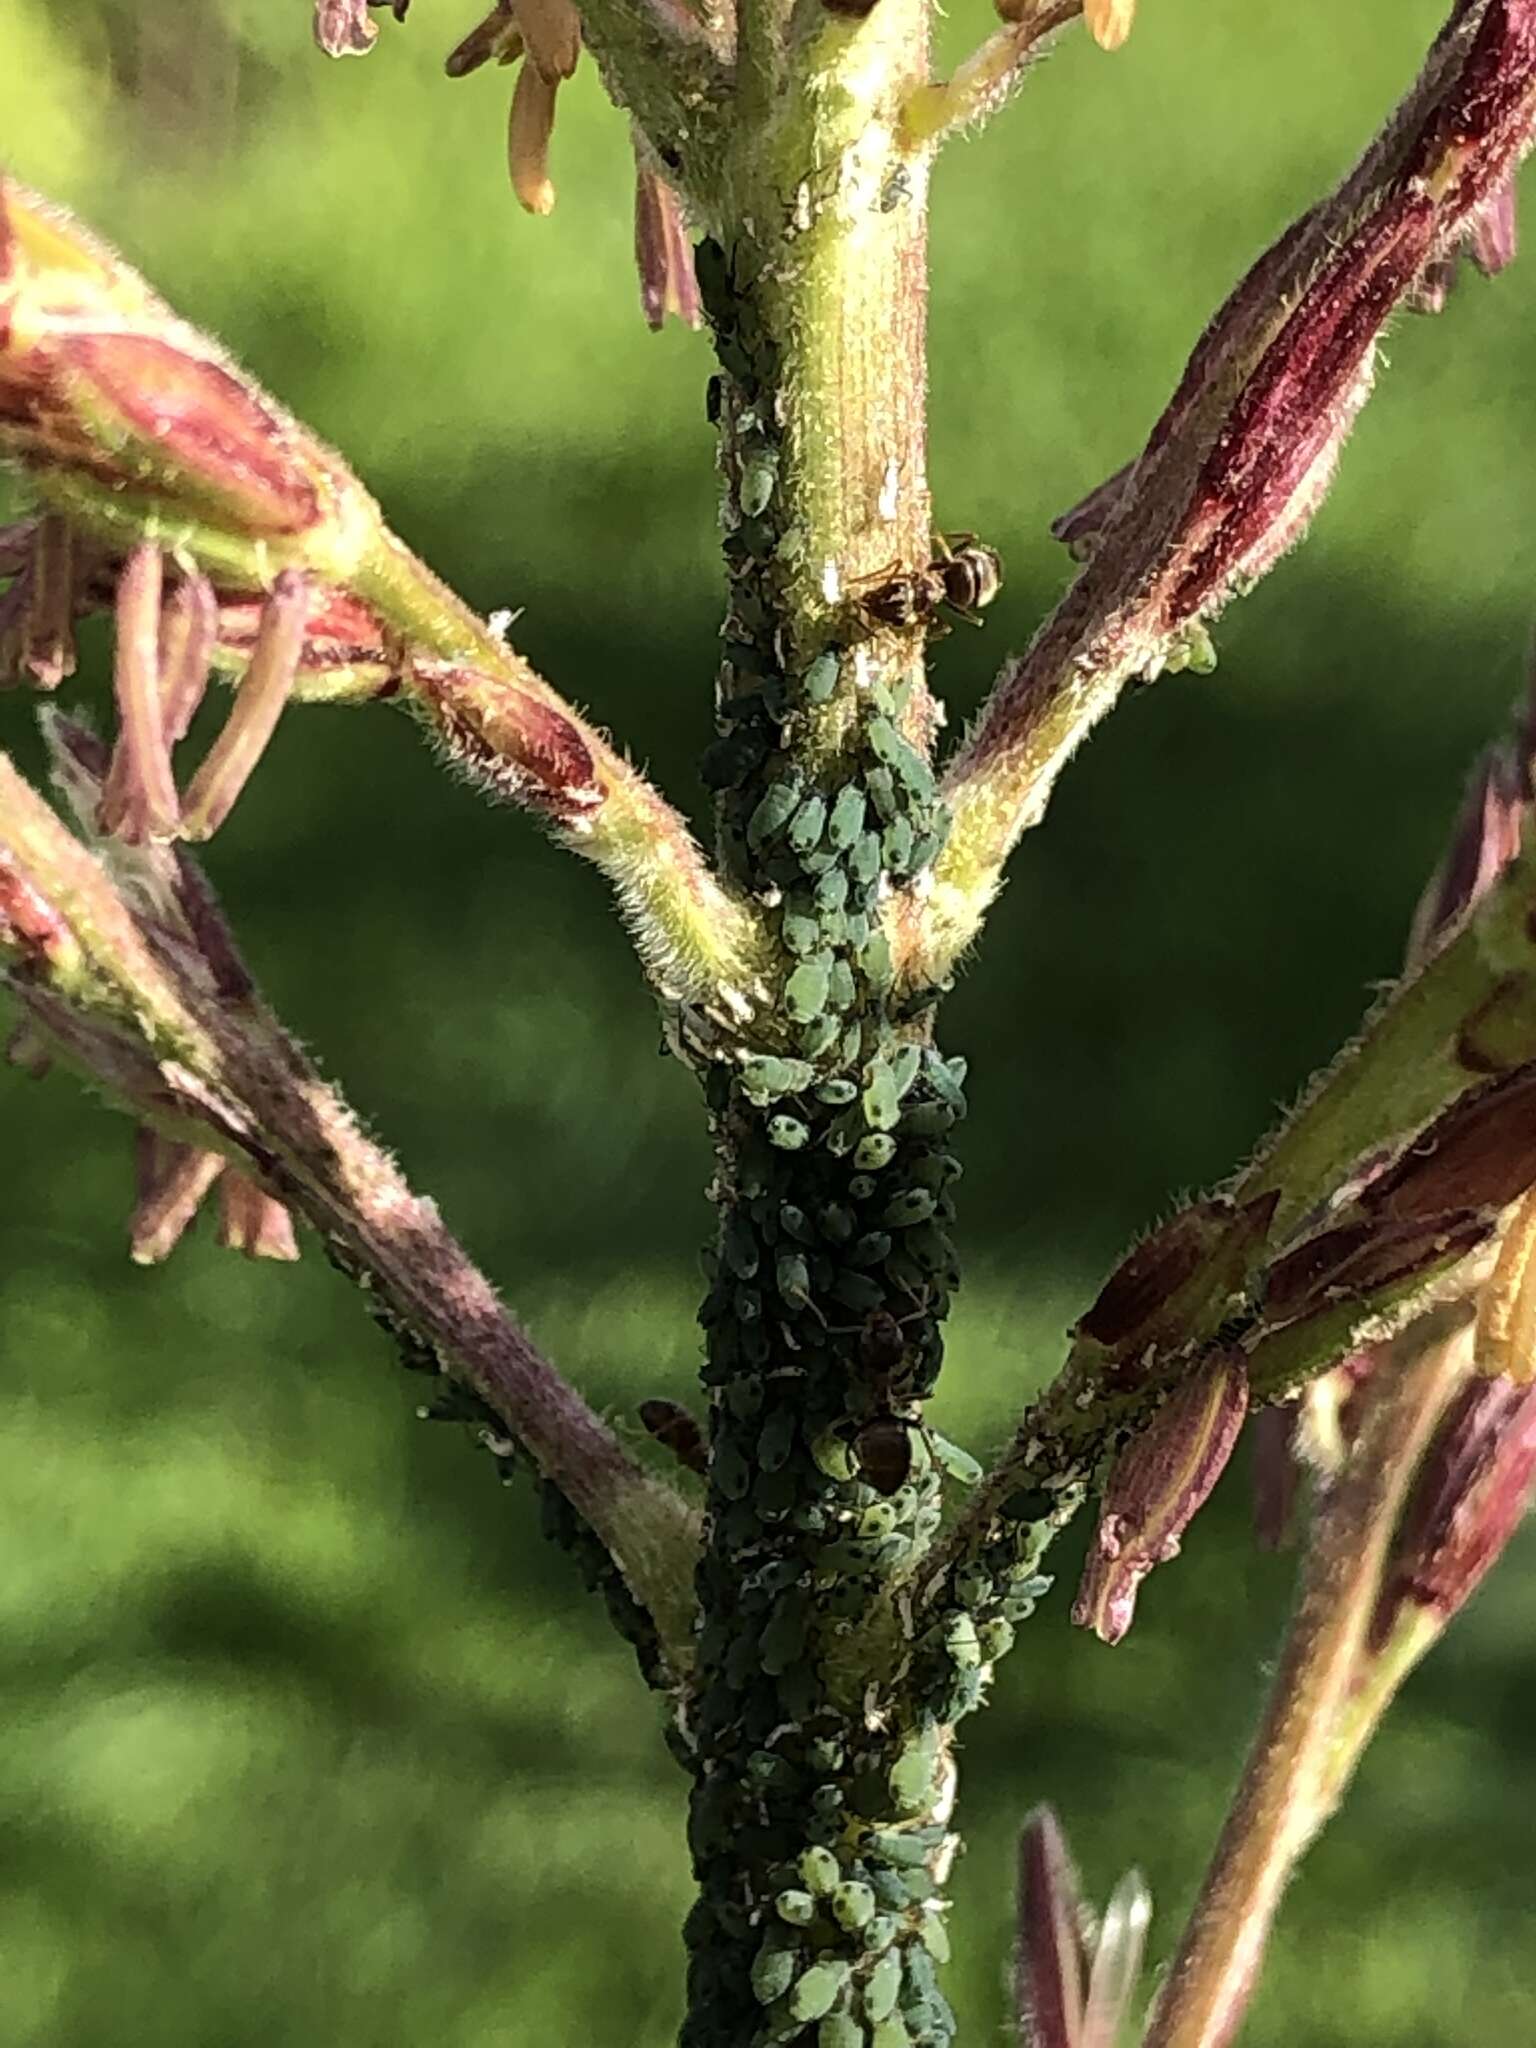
(679, 1432)
(885, 1441)
(963, 577)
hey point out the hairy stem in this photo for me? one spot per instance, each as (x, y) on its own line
(1298, 1766)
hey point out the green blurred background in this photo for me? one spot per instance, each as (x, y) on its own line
(306, 1738)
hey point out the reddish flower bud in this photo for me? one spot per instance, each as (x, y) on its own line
(1484, 840)
(252, 1221)
(1157, 1485)
(1473, 1489)
(662, 255)
(1073, 1980)
(511, 742)
(1210, 1243)
(171, 1181)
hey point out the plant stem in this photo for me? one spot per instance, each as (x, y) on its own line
(1306, 1744)
(823, 1778)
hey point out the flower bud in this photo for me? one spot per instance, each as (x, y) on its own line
(1073, 1979)
(495, 40)
(131, 420)
(1472, 1491)
(1156, 1486)
(252, 1221)
(662, 255)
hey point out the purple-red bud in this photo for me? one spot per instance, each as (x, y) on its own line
(1157, 1485)
(1473, 1490)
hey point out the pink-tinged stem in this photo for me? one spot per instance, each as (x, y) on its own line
(189, 630)
(265, 690)
(1288, 1786)
(50, 651)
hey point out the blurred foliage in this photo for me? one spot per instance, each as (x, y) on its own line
(308, 1739)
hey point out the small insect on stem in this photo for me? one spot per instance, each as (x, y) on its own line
(885, 1442)
(962, 578)
(672, 1426)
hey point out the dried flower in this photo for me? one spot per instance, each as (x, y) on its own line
(495, 40)
(551, 31)
(1157, 1485)
(529, 128)
(1109, 21)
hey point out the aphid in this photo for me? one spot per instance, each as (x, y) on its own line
(963, 577)
(672, 1425)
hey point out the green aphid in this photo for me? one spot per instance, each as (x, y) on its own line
(864, 860)
(878, 1522)
(896, 845)
(872, 1249)
(837, 1223)
(958, 1463)
(928, 1120)
(765, 1077)
(996, 1638)
(891, 2033)
(731, 1473)
(879, 1933)
(775, 807)
(884, 740)
(861, 1187)
(921, 1985)
(788, 1133)
(875, 960)
(881, 785)
(874, 1153)
(833, 1455)
(795, 1223)
(913, 772)
(908, 1849)
(912, 1205)
(936, 1937)
(807, 825)
(819, 1871)
(962, 1642)
(847, 819)
(820, 679)
(807, 990)
(783, 1640)
(838, 1092)
(817, 1037)
(777, 1439)
(759, 479)
(911, 1776)
(817, 1991)
(905, 1063)
(739, 1246)
(773, 1971)
(858, 1292)
(801, 934)
(832, 890)
(795, 1908)
(834, 928)
(853, 1906)
(837, 2030)
(792, 1276)
(929, 1246)
(882, 1104)
(882, 1987)
(841, 992)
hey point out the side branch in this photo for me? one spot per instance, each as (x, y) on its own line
(137, 430)
(1246, 449)
(121, 964)
(1392, 1190)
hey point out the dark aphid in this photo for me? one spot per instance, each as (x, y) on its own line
(963, 577)
(884, 1450)
(672, 1425)
(881, 1344)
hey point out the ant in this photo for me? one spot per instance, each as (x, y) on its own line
(963, 577)
(885, 1441)
(677, 1431)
